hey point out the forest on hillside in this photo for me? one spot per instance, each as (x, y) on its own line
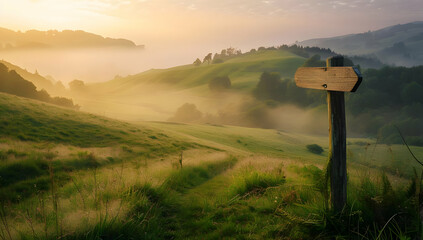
(389, 100)
(12, 83)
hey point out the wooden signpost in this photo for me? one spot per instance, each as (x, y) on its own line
(336, 79)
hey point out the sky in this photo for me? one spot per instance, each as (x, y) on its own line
(240, 23)
(188, 28)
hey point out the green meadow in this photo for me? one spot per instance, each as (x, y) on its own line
(149, 92)
(68, 174)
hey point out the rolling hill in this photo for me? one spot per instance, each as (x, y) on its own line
(396, 45)
(243, 71)
(34, 39)
(39, 81)
(81, 176)
(157, 93)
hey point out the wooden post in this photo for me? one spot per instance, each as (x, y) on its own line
(337, 143)
(335, 79)
(180, 159)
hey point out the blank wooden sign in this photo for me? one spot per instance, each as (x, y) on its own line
(341, 79)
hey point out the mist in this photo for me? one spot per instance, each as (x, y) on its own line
(97, 64)
(158, 102)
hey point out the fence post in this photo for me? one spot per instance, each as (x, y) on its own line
(337, 143)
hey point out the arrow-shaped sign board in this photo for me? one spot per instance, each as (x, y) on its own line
(336, 79)
(341, 79)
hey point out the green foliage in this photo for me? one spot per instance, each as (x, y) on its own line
(188, 177)
(220, 83)
(22, 170)
(375, 210)
(384, 90)
(253, 182)
(156, 212)
(370, 108)
(314, 148)
(271, 87)
(412, 93)
(197, 62)
(12, 83)
(208, 58)
(186, 113)
(314, 61)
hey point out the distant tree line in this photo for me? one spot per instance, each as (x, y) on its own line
(387, 98)
(272, 87)
(221, 57)
(305, 52)
(12, 83)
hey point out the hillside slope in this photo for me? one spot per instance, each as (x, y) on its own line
(243, 71)
(30, 120)
(157, 93)
(11, 40)
(398, 45)
(39, 81)
(75, 175)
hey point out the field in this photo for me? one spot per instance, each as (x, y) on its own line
(146, 96)
(73, 175)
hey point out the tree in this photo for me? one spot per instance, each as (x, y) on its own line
(220, 83)
(230, 51)
(314, 148)
(197, 62)
(269, 86)
(76, 85)
(207, 58)
(412, 93)
(11, 82)
(223, 53)
(314, 61)
(186, 113)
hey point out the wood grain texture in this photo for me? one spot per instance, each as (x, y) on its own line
(341, 79)
(337, 143)
(337, 150)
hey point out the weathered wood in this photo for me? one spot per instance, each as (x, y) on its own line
(337, 143)
(341, 79)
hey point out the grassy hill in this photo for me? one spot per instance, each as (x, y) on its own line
(74, 175)
(398, 45)
(30, 120)
(39, 81)
(33, 131)
(157, 93)
(244, 72)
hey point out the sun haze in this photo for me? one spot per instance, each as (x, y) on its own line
(218, 23)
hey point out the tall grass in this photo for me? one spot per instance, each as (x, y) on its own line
(155, 212)
(253, 182)
(375, 210)
(190, 176)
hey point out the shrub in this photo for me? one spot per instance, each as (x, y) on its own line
(220, 83)
(187, 113)
(314, 148)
